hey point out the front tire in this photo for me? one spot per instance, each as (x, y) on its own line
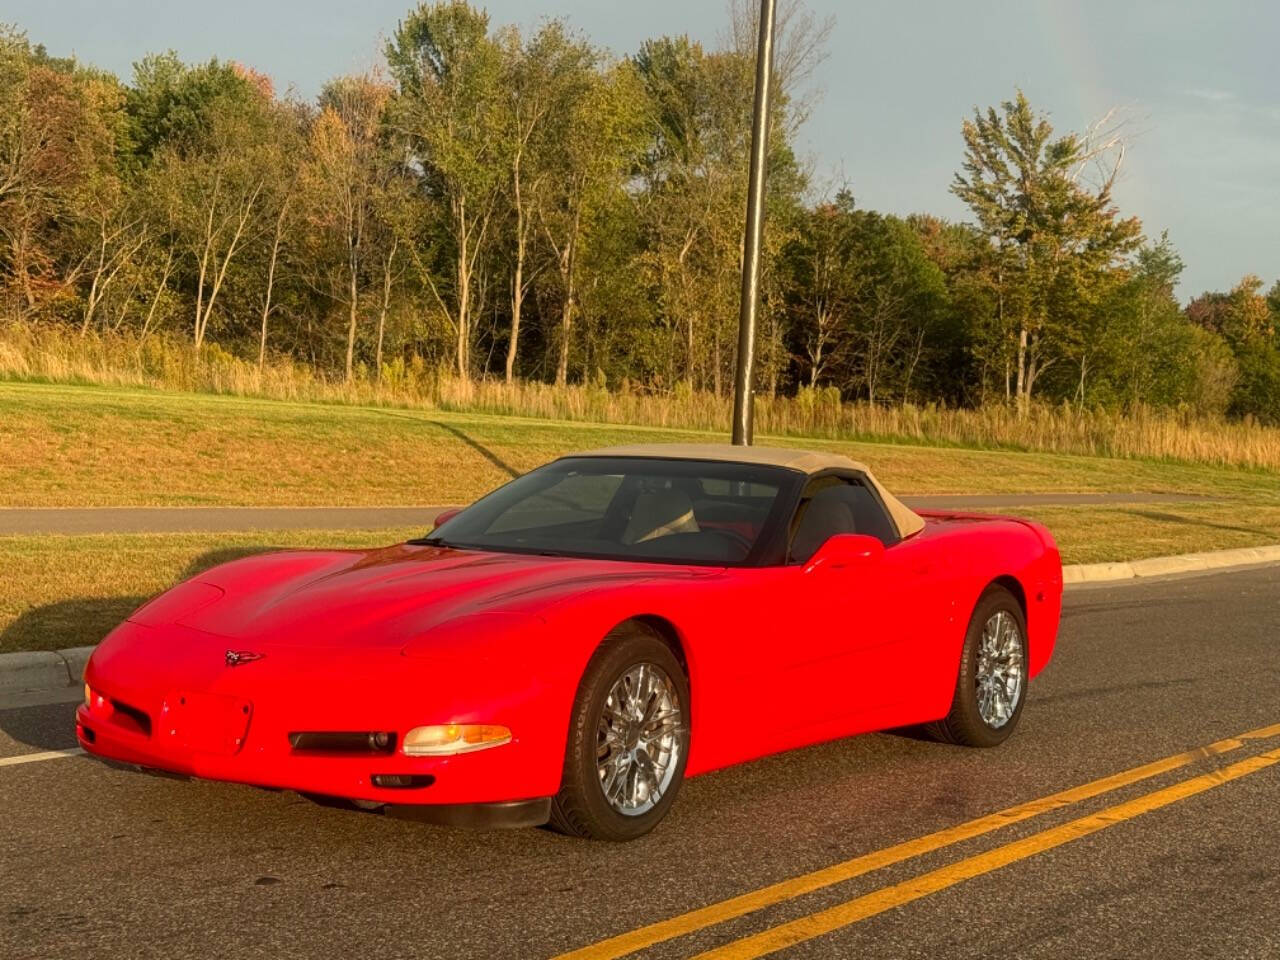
(991, 685)
(628, 739)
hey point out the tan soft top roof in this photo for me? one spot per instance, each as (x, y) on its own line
(802, 461)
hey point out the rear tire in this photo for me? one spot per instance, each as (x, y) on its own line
(632, 701)
(991, 685)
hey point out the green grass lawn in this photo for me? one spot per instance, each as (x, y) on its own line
(69, 591)
(1093, 534)
(86, 446)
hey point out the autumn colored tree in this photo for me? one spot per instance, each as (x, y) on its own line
(344, 177)
(523, 204)
(56, 145)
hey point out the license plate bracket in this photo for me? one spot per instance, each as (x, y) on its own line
(205, 722)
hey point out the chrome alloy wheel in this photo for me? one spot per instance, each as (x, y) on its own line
(638, 741)
(999, 674)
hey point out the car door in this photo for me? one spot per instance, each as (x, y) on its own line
(855, 632)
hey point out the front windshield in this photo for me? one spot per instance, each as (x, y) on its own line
(654, 510)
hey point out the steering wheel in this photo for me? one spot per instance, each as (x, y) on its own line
(741, 539)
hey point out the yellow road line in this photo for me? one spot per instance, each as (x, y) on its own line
(37, 757)
(743, 904)
(850, 912)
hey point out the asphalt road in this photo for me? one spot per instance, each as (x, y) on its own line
(81, 520)
(1177, 860)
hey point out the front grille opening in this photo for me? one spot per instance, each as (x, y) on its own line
(131, 718)
(402, 781)
(87, 733)
(343, 741)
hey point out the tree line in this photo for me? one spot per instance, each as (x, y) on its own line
(525, 205)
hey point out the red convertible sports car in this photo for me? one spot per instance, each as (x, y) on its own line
(575, 644)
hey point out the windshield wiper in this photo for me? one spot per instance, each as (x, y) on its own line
(434, 541)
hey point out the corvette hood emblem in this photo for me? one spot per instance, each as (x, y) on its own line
(236, 657)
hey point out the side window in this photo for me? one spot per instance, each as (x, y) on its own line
(577, 498)
(832, 505)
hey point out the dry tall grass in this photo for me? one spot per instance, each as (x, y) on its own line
(61, 356)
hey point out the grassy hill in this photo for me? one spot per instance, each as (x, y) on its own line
(89, 445)
(63, 445)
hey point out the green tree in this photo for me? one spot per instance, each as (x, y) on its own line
(209, 176)
(821, 288)
(343, 179)
(546, 77)
(1055, 236)
(1244, 319)
(1149, 347)
(598, 130)
(972, 357)
(694, 199)
(278, 244)
(171, 104)
(870, 305)
(447, 108)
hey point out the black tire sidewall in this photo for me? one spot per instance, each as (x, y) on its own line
(973, 728)
(581, 787)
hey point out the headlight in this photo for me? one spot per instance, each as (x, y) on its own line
(451, 738)
(95, 701)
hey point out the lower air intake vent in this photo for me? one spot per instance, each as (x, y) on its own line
(129, 716)
(349, 741)
(402, 781)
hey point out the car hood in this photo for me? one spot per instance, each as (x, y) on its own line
(388, 597)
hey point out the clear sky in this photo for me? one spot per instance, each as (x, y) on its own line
(1199, 80)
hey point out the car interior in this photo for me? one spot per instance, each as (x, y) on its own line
(638, 515)
(832, 505)
(647, 515)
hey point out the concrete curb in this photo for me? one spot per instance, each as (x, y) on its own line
(34, 671)
(1161, 566)
(42, 669)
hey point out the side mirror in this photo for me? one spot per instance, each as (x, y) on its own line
(846, 550)
(444, 516)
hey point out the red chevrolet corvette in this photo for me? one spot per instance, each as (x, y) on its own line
(573, 645)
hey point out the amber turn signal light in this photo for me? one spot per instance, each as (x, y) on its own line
(451, 738)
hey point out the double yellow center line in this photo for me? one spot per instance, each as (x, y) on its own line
(825, 921)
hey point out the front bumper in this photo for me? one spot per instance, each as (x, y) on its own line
(442, 790)
(242, 734)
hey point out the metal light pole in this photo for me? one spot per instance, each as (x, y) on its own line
(742, 394)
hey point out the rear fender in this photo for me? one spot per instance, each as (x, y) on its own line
(995, 548)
